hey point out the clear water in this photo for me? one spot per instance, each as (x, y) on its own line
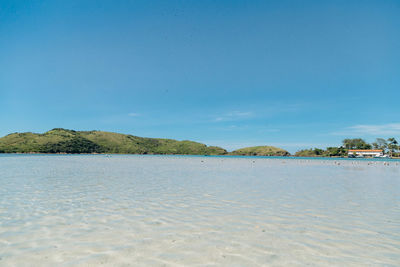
(198, 211)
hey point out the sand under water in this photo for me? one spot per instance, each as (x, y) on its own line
(121, 210)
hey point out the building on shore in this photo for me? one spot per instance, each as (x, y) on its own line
(365, 153)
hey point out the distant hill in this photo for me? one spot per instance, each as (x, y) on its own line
(310, 153)
(68, 141)
(260, 151)
(61, 140)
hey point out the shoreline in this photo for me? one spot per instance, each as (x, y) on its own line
(395, 159)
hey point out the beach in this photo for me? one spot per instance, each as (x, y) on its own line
(131, 210)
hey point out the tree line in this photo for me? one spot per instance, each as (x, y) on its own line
(389, 146)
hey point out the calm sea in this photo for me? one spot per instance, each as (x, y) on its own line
(127, 210)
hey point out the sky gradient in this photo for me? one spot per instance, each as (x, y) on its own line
(294, 74)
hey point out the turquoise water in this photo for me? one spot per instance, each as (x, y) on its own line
(131, 210)
(214, 156)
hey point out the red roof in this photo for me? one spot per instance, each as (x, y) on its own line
(365, 150)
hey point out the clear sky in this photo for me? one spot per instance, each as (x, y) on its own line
(295, 74)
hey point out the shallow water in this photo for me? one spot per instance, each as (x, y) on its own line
(197, 211)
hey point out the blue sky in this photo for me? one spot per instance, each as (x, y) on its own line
(294, 74)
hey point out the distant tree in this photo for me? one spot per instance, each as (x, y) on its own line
(73, 145)
(392, 145)
(335, 151)
(380, 143)
(356, 143)
(316, 152)
(347, 143)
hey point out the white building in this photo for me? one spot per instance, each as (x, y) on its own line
(365, 153)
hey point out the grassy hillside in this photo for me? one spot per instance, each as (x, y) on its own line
(69, 141)
(328, 152)
(260, 151)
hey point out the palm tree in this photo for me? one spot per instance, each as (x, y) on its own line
(392, 145)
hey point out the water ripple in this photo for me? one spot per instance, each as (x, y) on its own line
(208, 211)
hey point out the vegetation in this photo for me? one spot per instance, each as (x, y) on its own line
(329, 152)
(389, 146)
(260, 151)
(69, 141)
(380, 144)
(356, 143)
(316, 152)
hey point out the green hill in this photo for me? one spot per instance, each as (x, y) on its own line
(260, 151)
(69, 141)
(310, 153)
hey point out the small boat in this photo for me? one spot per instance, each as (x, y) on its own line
(383, 156)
